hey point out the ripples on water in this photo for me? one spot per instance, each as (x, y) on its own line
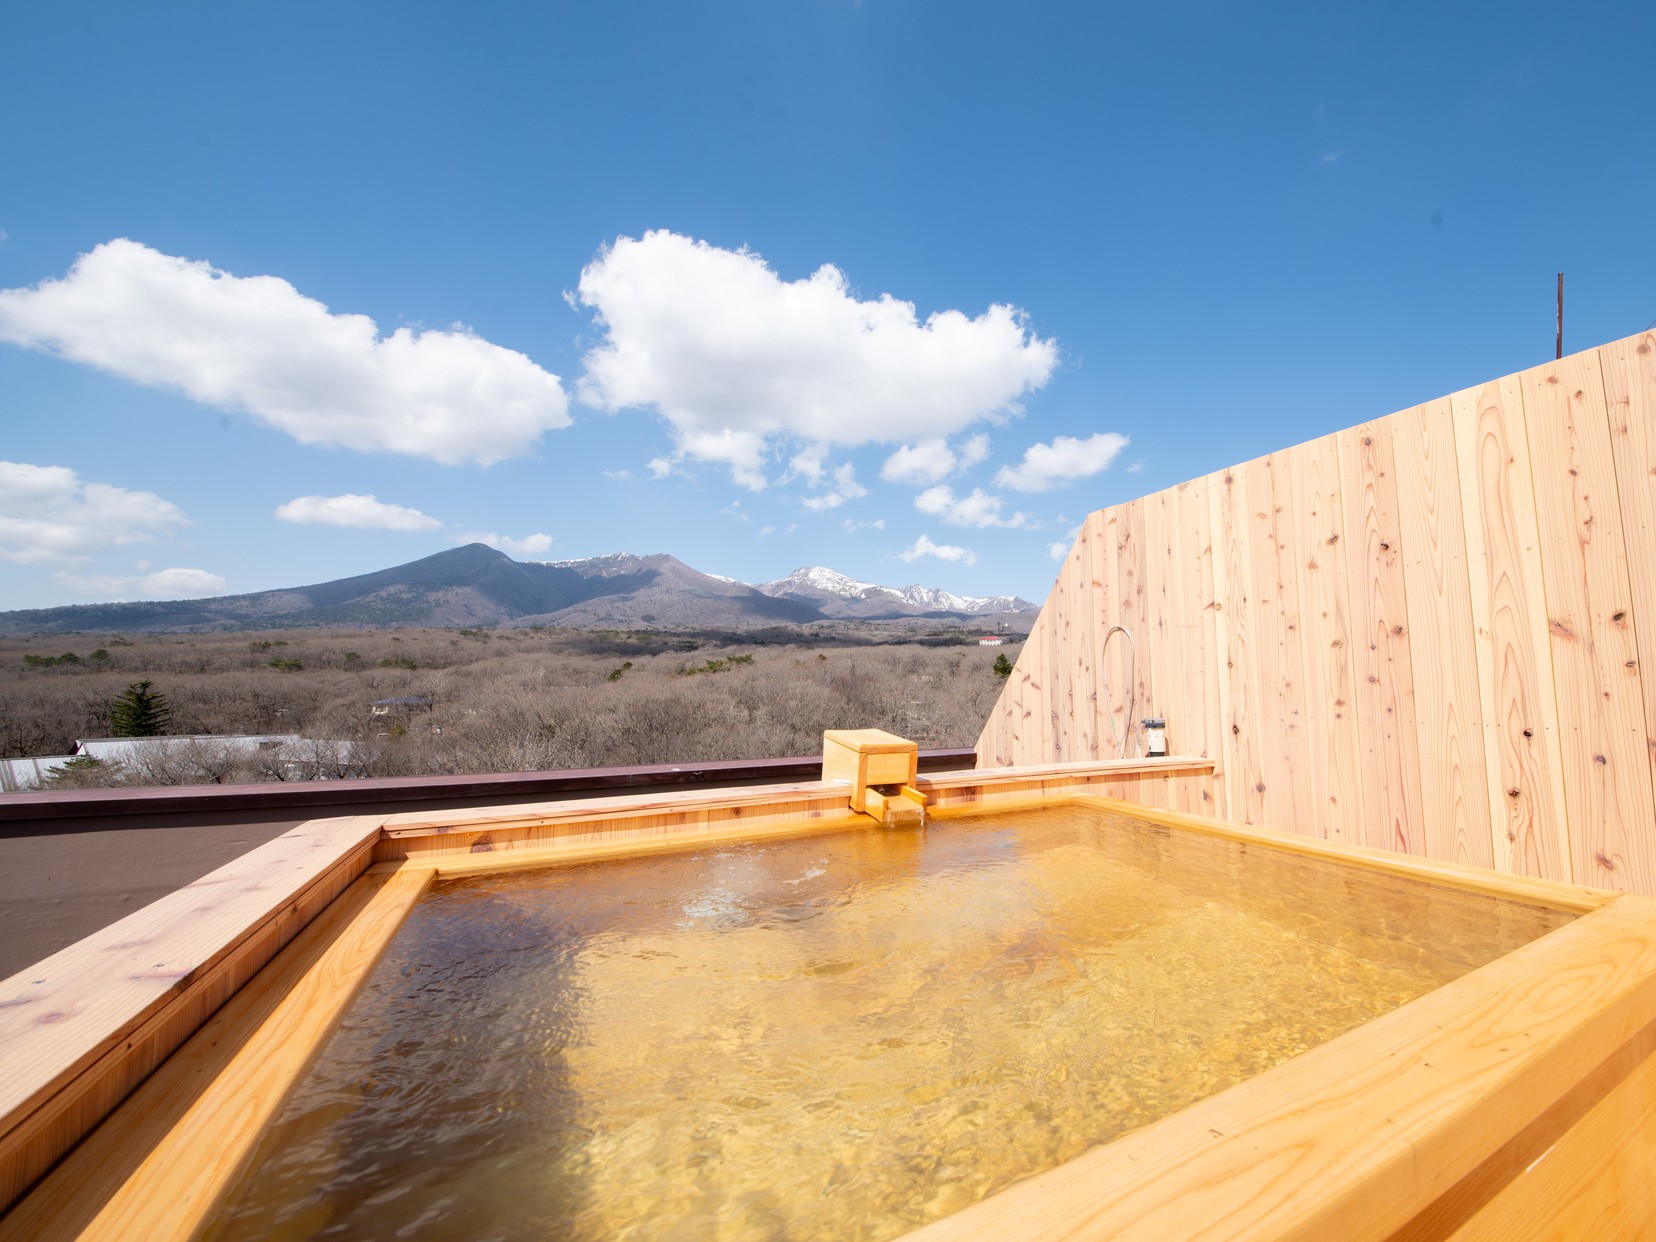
(843, 1036)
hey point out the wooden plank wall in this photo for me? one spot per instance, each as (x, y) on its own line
(1433, 633)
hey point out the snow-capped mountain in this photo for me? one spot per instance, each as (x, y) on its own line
(478, 585)
(840, 596)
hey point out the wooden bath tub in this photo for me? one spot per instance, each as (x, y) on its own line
(142, 1065)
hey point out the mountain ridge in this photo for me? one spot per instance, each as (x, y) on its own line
(478, 585)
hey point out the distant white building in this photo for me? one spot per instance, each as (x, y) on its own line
(125, 749)
(298, 757)
(17, 775)
(990, 640)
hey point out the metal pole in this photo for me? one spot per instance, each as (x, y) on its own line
(1560, 352)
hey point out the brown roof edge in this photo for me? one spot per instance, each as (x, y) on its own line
(337, 796)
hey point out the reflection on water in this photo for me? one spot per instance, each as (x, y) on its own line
(843, 1036)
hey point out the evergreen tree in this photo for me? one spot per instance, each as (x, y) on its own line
(1003, 666)
(139, 711)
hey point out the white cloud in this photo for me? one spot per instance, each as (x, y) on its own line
(1137, 467)
(362, 512)
(923, 546)
(1058, 549)
(977, 509)
(732, 355)
(852, 526)
(621, 476)
(48, 516)
(1066, 459)
(932, 461)
(843, 488)
(529, 545)
(258, 345)
(808, 464)
(163, 584)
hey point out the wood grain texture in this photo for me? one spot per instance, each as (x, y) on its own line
(1607, 788)
(1289, 800)
(80, 1029)
(1359, 631)
(1630, 395)
(159, 1167)
(1379, 613)
(1353, 1139)
(1529, 830)
(1195, 729)
(1238, 688)
(1448, 703)
(1319, 538)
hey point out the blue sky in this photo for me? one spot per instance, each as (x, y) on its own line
(554, 275)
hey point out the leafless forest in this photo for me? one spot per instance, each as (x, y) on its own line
(499, 700)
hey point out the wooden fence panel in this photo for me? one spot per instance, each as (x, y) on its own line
(1245, 785)
(1428, 633)
(1509, 630)
(1319, 536)
(1607, 792)
(1454, 782)
(1630, 393)
(1278, 665)
(1379, 613)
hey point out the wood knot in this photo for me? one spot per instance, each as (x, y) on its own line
(1600, 760)
(1512, 793)
(1367, 440)
(1235, 731)
(1260, 788)
(1529, 732)
(1384, 546)
(1603, 861)
(1618, 616)
(1397, 630)
(1552, 379)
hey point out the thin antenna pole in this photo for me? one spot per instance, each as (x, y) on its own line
(1560, 352)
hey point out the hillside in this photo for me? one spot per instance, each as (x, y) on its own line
(477, 585)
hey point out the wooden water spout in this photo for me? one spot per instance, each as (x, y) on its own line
(881, 770)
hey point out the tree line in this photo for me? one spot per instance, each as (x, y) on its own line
(488, 701)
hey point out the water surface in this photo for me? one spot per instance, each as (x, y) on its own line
(841, 1036)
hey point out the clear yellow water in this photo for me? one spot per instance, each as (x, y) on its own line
(837, 1037)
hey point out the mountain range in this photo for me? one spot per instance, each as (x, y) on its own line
(479, 585)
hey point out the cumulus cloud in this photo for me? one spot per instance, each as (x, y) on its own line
(162, 584)
(362, 512)
(977, 509)
(1066, 459)
(932, 461)
(923, 546)
(257, 345)
(853, 526)
(529, 545)
(733, 355)
(1058, 549)
(48, 516)
(843, 486)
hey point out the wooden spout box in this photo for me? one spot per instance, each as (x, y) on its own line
(864, 757)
